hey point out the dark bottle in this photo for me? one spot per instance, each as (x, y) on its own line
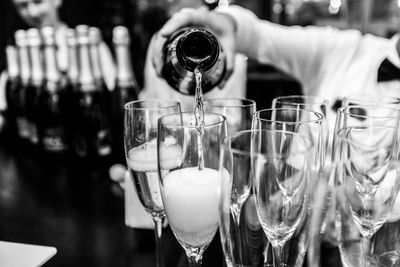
(53, 102)
(25, 95)
(126, 87)
(188, 49)
(37, 76)
(12, 86)
(92, 135)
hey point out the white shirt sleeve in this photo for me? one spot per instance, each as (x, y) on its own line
(299, 51)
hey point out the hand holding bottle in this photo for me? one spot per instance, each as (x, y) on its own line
(222, 25)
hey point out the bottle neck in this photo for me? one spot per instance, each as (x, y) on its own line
(12, 62)
(86, 79)
(125, 74)
(197, 48)
(24, 64)
(73, 72)
(37, 66)
(95, 60)
(52, 72)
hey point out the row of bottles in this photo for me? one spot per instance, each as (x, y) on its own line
(70, 110)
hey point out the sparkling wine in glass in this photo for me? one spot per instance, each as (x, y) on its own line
(140, 140)
(190, 192)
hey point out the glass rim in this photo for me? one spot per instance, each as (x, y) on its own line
(249, 102)
(305, 140)
(396, 100)
(348, 141)
(319, 100)
(227, 140)
(320, 116)
(345, 110)
(162, 118)
(168, 104)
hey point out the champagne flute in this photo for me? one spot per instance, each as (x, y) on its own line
(242, 237)
(355, 116)
(238, 113)
(280, 163)
(367, 158)
(312, 125)
(190, 176)
(140, 133)
(320, 228)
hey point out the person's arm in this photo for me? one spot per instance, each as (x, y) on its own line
(301, 52)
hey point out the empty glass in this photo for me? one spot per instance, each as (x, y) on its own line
(363, 117)
(310, 124)
(243, 240)
(281, 169)
(368, 184)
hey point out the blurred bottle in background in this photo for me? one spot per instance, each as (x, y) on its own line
(36, 77)
(12, 85)
(54, 100)
(92, 136)
(73, 67)
(95, 38)
(26, 124)
(126, 88)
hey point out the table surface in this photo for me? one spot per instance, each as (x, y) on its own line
(24, 255)
(55, 200)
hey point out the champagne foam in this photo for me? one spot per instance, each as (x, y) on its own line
(191, 199)
(144, 157)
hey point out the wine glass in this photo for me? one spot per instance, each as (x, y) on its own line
(190, 177)
(242, 238)
(140, 133)
(310, 124)
(280, 163)
(238, 111)
(347, 117)
(368, 184)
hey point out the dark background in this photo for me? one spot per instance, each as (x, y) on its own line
(143, 18)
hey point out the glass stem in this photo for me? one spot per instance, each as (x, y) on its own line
(236, 219)
(277, 255)
(158, 224)
(195, 260)
(365, 241)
